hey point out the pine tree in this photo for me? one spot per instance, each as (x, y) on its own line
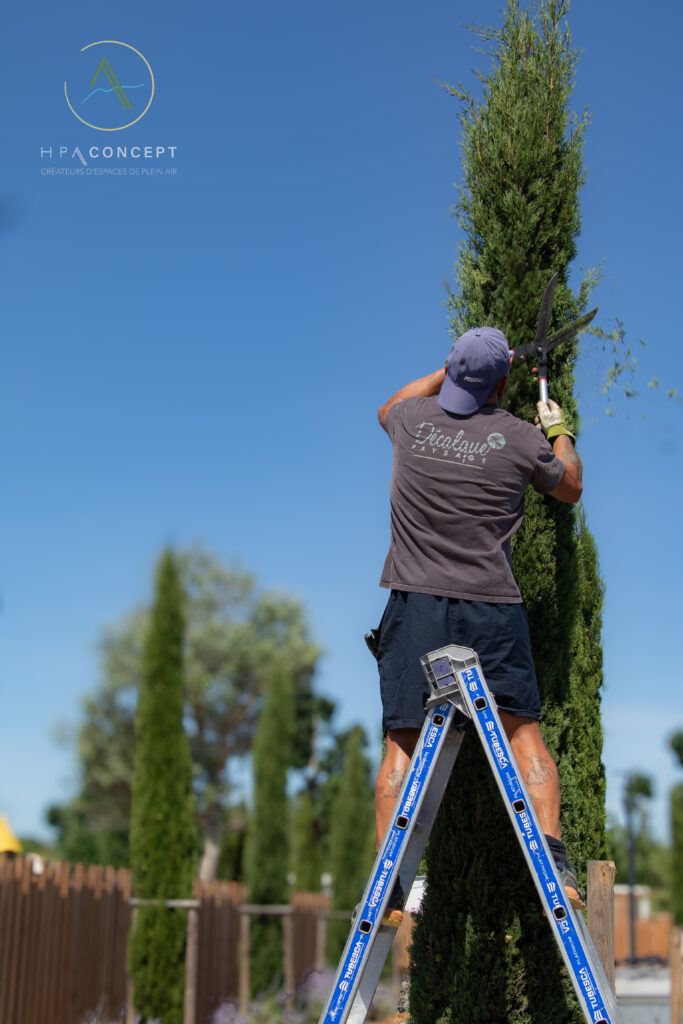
(267, 854)
(351, 837)
(519, 208)
(163, 836)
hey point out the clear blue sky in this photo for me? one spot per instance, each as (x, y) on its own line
(200, 355)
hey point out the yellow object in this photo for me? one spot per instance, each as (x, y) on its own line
(8, 841)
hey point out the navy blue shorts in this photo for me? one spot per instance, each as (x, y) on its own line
(414, 624)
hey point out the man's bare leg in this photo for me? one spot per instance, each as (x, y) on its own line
(537, 769)
(399, 750)
(533, 758)
(535, 763)
(539, 772)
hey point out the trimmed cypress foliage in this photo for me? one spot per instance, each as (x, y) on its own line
(352, 832)
(482, 951)
(267, 854)
(163, 838)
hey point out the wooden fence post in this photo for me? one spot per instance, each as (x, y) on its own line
(601, 912)
(320, 940)
(191, 949)
(130, 1008)
(288, 958)
(245, 958)
(676, 975)
(191, 942)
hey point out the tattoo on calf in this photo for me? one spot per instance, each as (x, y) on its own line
(395, 779)
(539, 773)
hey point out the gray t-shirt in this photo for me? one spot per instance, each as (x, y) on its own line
(457, 497)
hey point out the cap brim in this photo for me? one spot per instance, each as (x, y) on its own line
(457, 400)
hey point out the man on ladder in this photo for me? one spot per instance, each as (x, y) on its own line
(461, 468)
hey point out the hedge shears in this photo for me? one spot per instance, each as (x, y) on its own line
(543, 343)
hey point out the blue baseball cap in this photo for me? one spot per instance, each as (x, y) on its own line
(477, 361)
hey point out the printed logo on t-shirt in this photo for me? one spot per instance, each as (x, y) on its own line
(433, 443)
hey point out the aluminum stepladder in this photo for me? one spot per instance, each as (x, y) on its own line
(458, 688)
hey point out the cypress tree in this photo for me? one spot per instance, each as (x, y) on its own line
(267, 853)
(676, 744)
(482, 950)
(307, 850)
(351, 837)
(163, 837)
(677, 853)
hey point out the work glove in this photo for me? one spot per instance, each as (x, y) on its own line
(551, 420)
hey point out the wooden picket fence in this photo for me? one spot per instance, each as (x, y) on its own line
(64, 931)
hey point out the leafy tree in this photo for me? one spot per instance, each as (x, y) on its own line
(676, 744)
(93, 827)
(351, 836)
(652, 861)
(163, 838)
(234, 637)
(30, 845)
(79, 842)
(267, 852)
(637, 789)
(639, 859)
(519, 208)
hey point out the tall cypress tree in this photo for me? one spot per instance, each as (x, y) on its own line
(267, 854)
(676, 744)
(677, 853)
(482, 950)
(351, 837)
(307, 851)
(163, 837)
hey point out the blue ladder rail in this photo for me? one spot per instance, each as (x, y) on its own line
(459, 693)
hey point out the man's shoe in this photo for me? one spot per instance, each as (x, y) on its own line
(571, 886)
(393, 913)
(566, 872)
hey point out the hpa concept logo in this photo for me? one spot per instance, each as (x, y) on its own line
(110, 86)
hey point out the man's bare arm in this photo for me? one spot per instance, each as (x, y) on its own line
(421, 388)
(570, 486)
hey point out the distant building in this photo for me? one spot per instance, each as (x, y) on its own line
(653, 928)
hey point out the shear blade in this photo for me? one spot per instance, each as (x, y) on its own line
(547, 344)
(546, 310)
(568, 332)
